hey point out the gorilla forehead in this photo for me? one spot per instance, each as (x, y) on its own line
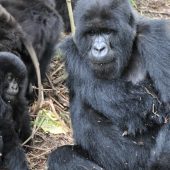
(86, 4)
(99, 9)
(9, 61)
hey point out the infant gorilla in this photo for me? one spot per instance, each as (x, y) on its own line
(14, 117)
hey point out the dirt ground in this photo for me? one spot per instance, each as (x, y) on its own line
(56, 96)
(154, 8)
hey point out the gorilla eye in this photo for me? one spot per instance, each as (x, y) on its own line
(91, 32)
(9, 76)
(108, 32)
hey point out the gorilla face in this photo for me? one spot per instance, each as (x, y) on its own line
(105, 35)
(13, 77)
(11, 87)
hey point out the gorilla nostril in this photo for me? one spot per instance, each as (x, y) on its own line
(96, 49)
(15, 87)
(103, 48)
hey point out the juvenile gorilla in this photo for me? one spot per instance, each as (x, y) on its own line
(118, 66)
(42, 25)
(14, 118)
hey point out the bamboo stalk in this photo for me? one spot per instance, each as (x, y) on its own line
(70, 12)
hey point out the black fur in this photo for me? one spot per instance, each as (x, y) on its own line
(13, 156)
(61, 7)
(19, 106)
(14, 117)
(111, 103)
(42, 25)
(69, 154)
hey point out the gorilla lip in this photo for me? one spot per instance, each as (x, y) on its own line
(106, 60)
(100, 67)
(9, 97)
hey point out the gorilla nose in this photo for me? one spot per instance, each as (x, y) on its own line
(99, 50)
(15, 87)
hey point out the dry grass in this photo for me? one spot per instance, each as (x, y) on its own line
(154, 8)
(56, 100)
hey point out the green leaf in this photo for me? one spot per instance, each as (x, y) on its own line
(50, 122)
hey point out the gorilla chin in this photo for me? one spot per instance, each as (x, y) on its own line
(107, 70)
(10, 96)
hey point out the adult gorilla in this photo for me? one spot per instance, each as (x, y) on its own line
(118, 66)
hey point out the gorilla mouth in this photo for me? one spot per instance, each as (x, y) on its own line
(9, 96)
(11, 93)
(104, 66)
(103, 62)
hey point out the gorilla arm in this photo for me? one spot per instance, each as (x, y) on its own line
(153, 44)
(13, 155)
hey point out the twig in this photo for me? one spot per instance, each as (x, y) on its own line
(156, 12)
(70, 12)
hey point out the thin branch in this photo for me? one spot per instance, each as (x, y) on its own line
(70, 12)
